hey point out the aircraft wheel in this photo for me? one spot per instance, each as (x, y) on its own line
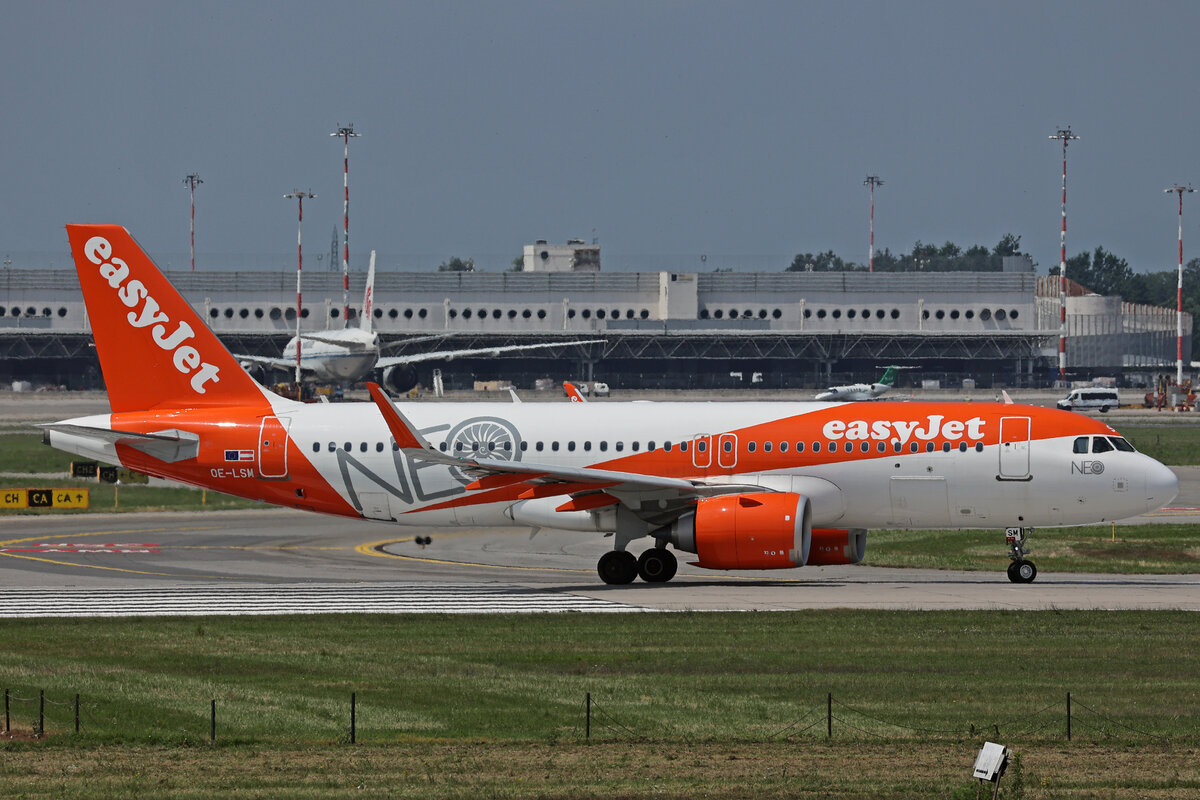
(1022, 571)
(657, 565)
(617, 567)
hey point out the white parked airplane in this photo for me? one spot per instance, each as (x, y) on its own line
(350, 355)
(861, 391)
(742, 485)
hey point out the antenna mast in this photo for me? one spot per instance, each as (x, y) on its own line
(298, 196)
(872, 181)
(1179, 288)
(1067, 137)
(346, 133)
(192, 181)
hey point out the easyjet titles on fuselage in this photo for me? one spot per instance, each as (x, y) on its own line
(186, 358)
(934, 426)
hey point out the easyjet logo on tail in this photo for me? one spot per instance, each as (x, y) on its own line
(133, 293)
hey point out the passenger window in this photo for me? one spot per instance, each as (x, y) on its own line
(332, 446)
(881, 447)
(619, 446)
(865, 447)
(816, 446)
(849, 448)
(650, 445)
(524, 446)
(929, 447)
(667, 446)
(571, 447)
(979, 447)
(945, 447)
(603, 447)
(799, 447)
(379, 447)
(962, 447)
(349, 447)
(634, 446)
(783, 447)
(751, 446)
(1081, 444)
(766, 447)
(702, 446)
(1121, 444)
(316, 447)
(554, 446)
(727, 446)
(587, 446)
(540, 446)
(442, 446)
(913, 447)
(1101, 445)
(362, 447)
(683, 447)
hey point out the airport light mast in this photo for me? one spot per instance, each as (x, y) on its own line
(1179, 190)
(298, 196)
(347, 133)
(192, 181)
(1067, 137)
(872, 181)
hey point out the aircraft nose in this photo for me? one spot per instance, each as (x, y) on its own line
(1162, 485)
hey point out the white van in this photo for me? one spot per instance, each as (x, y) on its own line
(1081, 399)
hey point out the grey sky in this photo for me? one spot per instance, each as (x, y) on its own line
(675, 128)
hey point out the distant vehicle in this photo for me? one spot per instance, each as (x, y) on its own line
(861, 391)
(1083, 399)
(351, 355)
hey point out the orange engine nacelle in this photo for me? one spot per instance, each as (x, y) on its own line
(837, 546)
(760, 530)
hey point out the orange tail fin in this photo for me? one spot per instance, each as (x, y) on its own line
(154, 350)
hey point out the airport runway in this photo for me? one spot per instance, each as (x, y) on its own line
(280, 561)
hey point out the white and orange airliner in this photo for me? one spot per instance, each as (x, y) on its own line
(742, 485)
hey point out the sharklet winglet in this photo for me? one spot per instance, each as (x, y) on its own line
(403, 432)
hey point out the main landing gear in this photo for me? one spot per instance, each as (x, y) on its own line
(656, 565)
(1020, 570)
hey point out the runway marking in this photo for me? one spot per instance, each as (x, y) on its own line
(408, 598)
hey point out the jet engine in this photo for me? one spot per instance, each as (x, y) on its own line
(759, 530)
(837, 546)
(399, 378)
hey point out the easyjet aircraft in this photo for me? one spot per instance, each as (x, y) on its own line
(753, 485)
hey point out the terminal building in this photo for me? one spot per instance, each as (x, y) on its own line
(662, 330)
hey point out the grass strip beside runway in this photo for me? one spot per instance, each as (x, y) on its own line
(727, 705)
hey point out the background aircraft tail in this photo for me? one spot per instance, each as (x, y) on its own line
(368, 306)
(889, 376)
(154, 350)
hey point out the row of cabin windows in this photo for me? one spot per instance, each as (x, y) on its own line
(30, 311)
(285, 313)
(702, 446)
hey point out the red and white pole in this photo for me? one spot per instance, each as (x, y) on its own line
(346, 132)
(872, 181)
(299, 195)
(1066, 136)
(1179, 289)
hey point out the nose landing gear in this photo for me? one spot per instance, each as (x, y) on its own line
(1020, 570)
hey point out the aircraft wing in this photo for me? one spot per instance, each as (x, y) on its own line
(270, 361)
(447, 355)
(168, 445)
(494, 474)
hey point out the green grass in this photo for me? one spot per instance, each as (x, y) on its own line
(1176, 445)
(1136, 549)
(21, 451)
(686, 704)
(107, 497)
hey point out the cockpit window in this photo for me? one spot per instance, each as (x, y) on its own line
(1100, 444)
(1121, 444)
(1081, 444)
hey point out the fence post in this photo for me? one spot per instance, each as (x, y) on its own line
(77, 712)
(829, 715)
(7, 727)
(41, 731)
(1068, 716)
(353, 720)
(212, 725)
(588, 727)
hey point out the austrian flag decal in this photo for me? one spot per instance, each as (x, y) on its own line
(239, 455)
